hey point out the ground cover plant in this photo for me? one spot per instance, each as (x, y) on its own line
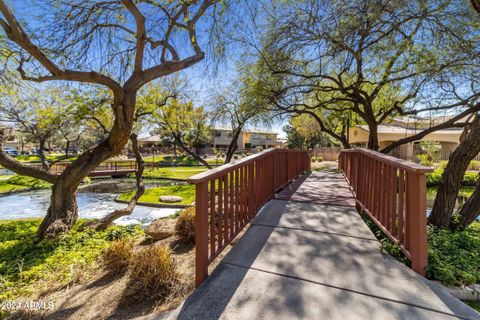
(28, 267)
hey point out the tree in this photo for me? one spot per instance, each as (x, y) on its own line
(304, 132)
(239, 105)
(186, 125)
(37, 115)
(119, 45)
(374, 59)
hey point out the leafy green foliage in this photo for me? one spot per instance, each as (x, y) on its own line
(454, 257)
(28, 268)
(434, 178)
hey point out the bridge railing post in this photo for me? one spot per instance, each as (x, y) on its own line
(417, 221)
(201, 232)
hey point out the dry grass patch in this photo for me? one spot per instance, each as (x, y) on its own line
(153, 273)
(118, 255)
(185, 226)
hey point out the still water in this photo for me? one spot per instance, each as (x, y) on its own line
(90, 205)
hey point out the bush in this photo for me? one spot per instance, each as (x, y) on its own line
(425, 159)
(185, 226)
(474, 165)
(235, 157)
(118, 255)
(153, 272)
(454, 257)
(434, 178)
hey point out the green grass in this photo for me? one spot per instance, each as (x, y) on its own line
(6, 187)
(27, 268)
(453, 256)
(173, 172)
(17, 182)
(187, 192)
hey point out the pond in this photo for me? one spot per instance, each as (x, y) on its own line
(96, 203)
(464, 194)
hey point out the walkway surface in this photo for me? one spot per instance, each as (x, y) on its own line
(311, 256)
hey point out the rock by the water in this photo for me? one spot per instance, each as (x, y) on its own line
(161, 229)
(171, 199)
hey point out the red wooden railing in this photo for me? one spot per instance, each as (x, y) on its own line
(104, 168)
(393, 193)
(228, 197)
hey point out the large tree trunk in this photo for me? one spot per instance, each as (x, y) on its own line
(62, 212)
(373, 137)
(471, 209)
(104, 222)
(452, 177)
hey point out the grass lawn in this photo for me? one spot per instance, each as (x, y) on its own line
(5, 186)
(173, 172)
(152, 195)
(17, 182)
(28, 268)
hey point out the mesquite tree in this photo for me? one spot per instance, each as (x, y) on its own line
(120, 45)
(376, 59)
(236, 108)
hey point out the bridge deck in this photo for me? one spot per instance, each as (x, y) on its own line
(311, 256)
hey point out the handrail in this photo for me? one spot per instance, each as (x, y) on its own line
(393, 194)
(228, 197)
(399, 163)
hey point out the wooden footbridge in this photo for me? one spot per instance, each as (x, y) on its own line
(306, 252)
(109, 168)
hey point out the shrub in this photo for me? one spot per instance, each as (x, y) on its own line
(434, 178)
(185, 226)
(222, 155)
(454, 257)
(474, 165)
(425, 160)
(153, 272)
(235, 157)
(118, 255)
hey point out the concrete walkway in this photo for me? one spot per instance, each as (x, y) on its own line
(310, 256)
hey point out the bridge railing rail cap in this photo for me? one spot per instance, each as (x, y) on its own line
(396, 162)
(226, 168)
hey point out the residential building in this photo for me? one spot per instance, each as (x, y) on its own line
(399, 128)
(248, 139)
